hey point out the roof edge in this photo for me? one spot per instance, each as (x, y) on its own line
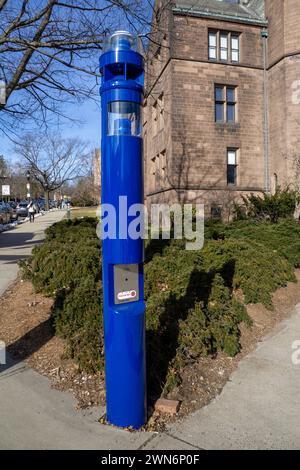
(220, 16)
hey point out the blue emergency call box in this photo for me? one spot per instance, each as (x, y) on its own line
(122, 71)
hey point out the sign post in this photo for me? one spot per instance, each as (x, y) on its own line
(122, 70)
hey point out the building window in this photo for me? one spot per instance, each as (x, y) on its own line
(225, 103)
(232, 167)
(230, 104)
(161, 111)
(219, 103)
(216, 212)
(212, 46)
(162, 165)
(154, 118)
(224, 46)
(235, 48)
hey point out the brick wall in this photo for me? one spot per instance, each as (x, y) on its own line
(196, 146)
(284, 87)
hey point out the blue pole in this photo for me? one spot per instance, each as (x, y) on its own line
(122, 70)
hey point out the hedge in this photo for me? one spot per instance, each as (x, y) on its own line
(192, 307)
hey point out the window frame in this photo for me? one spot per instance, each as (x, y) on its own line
(223, 35)
(225, 103)
(232, 49)
(215, 48)
(221, 102)
(231, 103)
(231, 166)
(218, 48)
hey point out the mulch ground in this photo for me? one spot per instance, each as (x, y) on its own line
(26, 328)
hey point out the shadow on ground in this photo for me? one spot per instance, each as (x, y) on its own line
(28, 344)
(163, 341)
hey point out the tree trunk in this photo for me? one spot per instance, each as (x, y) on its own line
(46, 200)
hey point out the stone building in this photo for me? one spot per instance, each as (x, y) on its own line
(222, 107)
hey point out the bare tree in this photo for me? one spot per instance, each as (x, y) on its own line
(53, 161)
(84, 193)
(46, 46)
(3, 167)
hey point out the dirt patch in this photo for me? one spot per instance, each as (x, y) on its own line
(26, 328)
(205, 379)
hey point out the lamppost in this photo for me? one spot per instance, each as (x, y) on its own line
(28, 185)
(122, 70)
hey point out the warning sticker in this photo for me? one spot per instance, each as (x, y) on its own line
(127, 295)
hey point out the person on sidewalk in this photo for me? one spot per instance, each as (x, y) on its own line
(31, 211)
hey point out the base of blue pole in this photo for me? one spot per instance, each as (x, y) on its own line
(125, 368)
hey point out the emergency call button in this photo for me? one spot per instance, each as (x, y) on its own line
(126, 283)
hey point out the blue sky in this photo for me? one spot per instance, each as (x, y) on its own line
(88, 113)
(88, 129)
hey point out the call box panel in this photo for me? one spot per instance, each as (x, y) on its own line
(126, 283)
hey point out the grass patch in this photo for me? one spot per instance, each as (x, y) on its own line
(80, 212)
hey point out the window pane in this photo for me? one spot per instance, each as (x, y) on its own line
(124, 118)
(212, 53)
(231, 157)
(224, 54)
(230, 113)
(234, 42)
(231, 174)
(219, 112)
(212, 39)
(234, 56)
(219, 93)
(223, 41)
(230, 95)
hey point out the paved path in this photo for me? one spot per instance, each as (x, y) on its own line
(259, 407)
(17, 243)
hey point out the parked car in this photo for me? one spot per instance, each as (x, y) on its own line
(22, 210)
(41, 204)
(5, 213)
(13, 206)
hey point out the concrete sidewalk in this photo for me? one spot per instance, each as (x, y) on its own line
(17, 243)
(259, 407)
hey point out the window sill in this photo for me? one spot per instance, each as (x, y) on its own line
(223, 62)
(235, 125)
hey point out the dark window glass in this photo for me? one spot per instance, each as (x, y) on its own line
(216, 212)
(219, 93)
(230, 93)
(230, 113)
(219, 112)
(225, 104)
(231, 174)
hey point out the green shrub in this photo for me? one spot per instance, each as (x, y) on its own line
(192, 309)
(67, 267)
(282, 238)
(252, 267)
(271, 207)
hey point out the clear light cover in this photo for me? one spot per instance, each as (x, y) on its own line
(123, 41)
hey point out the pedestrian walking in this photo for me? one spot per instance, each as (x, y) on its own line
(31, 211)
